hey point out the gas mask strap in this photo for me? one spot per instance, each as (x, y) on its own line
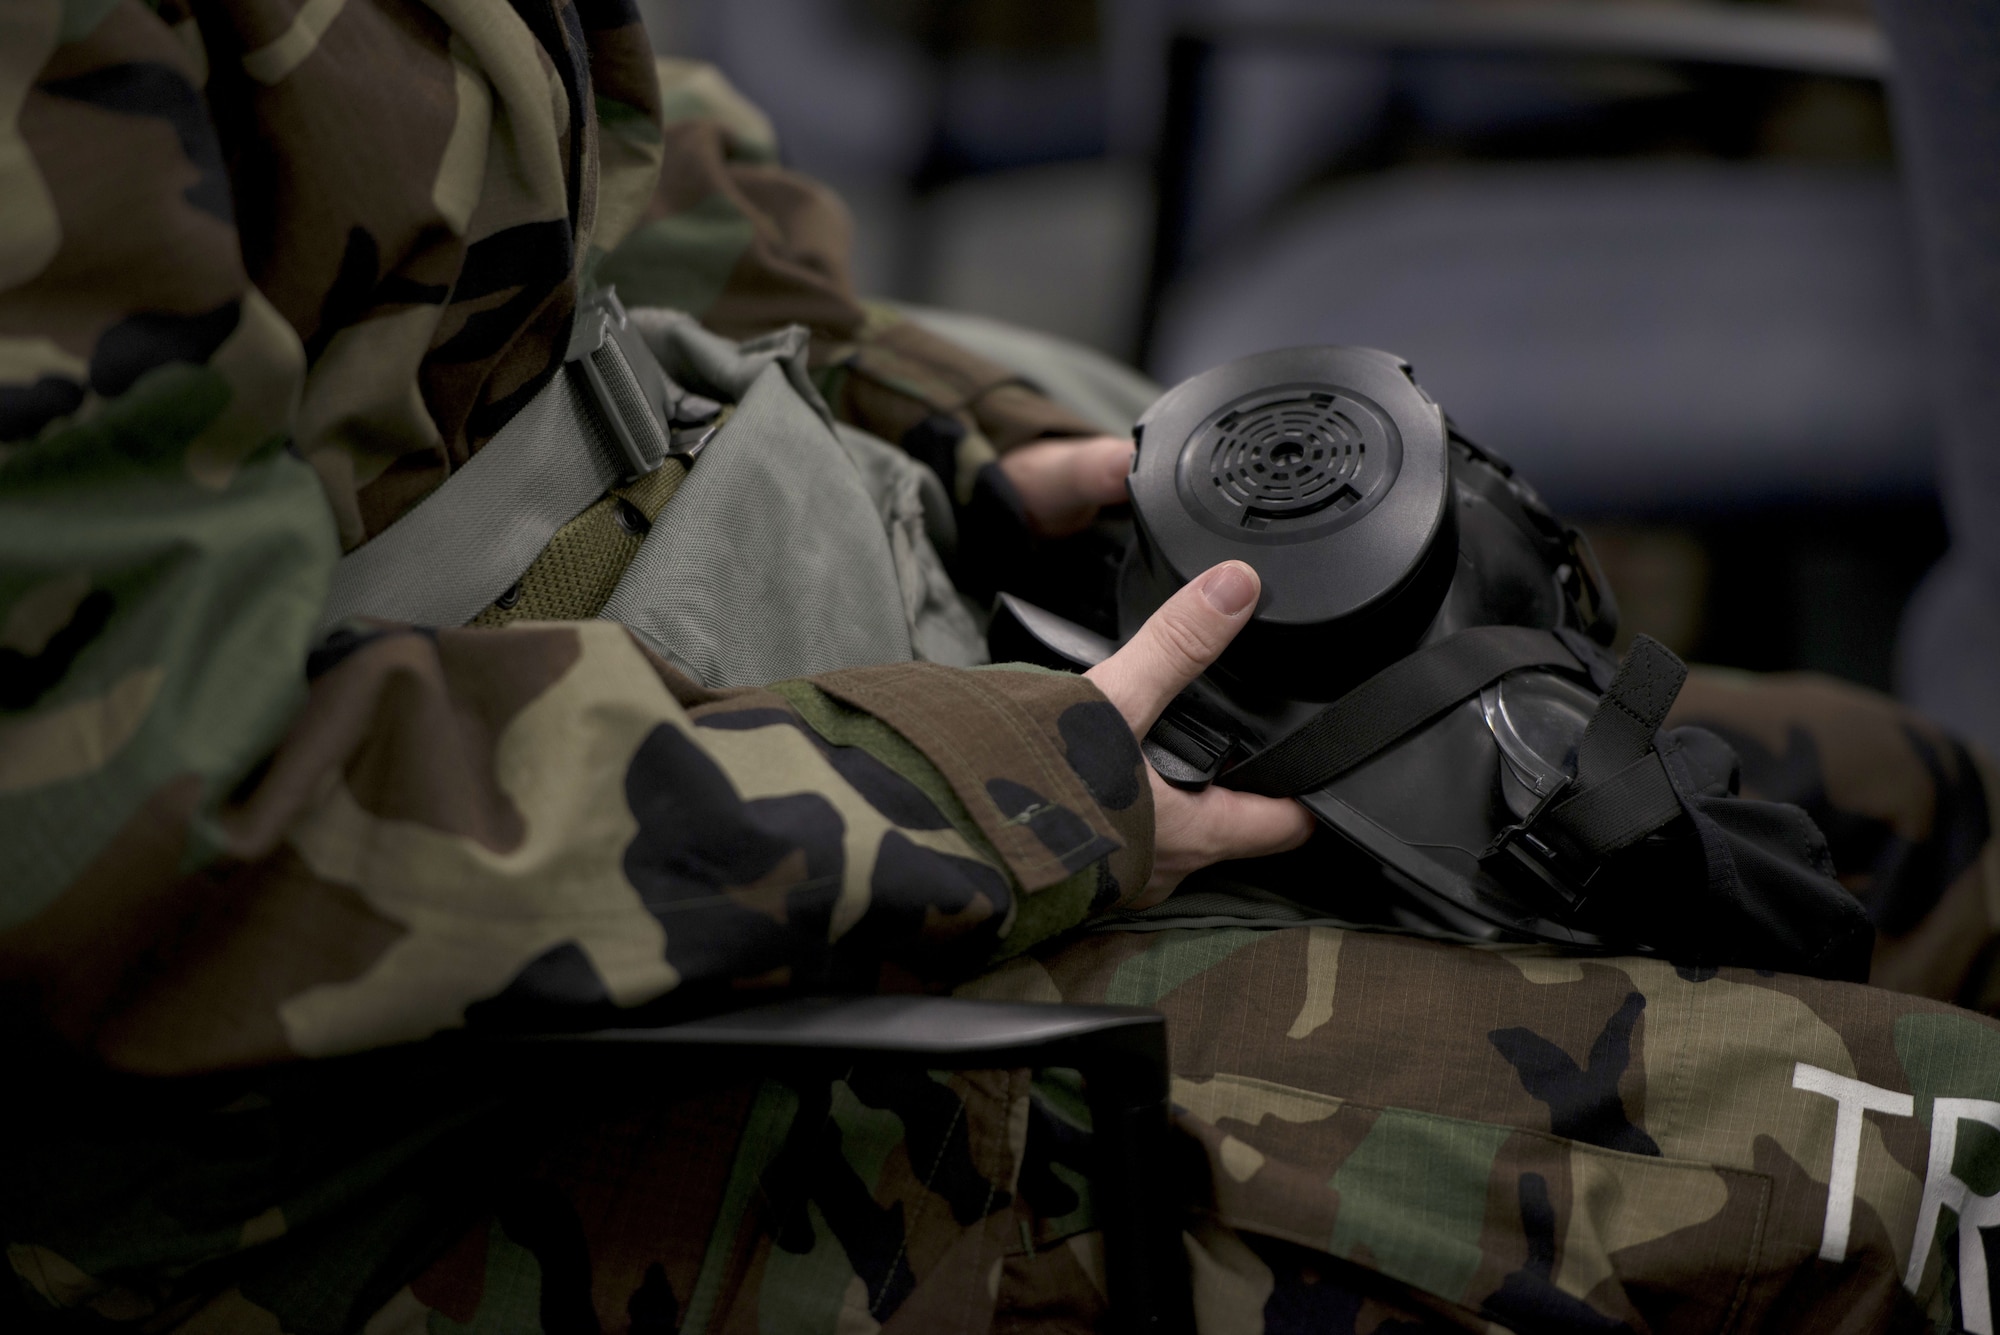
(1622, 792)
(1393, 703)
(1631, 712)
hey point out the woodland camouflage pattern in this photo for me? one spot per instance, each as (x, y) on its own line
(268, 272)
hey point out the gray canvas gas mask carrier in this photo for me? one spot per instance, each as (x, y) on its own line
(1427, 672)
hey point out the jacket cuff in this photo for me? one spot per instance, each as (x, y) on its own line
(1042, 762)
(895, 377)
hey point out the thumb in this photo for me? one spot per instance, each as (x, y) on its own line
(1098, 469)
(1177, 643)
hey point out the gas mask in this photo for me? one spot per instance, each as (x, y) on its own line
(1427, 671)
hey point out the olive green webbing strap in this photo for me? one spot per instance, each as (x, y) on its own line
(601, 420)
(779, 558)
(463, 545)
(447, 561)
(576, 572)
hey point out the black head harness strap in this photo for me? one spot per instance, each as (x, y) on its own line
(1394, 703)
(1621, 792)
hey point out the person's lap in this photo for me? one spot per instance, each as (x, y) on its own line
(1371, 1122)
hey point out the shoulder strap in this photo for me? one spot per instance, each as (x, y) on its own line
(606, 417)
(1394, 702)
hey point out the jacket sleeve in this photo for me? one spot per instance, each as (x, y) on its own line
(747, 245)
(220, 844)
(544, 827)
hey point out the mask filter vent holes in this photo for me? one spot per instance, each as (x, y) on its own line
(1285, 459)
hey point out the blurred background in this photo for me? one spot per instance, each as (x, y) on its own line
(1656, 256)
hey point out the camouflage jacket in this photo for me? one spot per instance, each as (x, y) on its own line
(268, 272)
(1374, 1134)
(273, 272)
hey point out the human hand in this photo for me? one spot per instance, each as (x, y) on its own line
(1063, 483)
(1176, 645)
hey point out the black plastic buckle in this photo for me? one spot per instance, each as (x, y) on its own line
(1521, 855)
(1184, 747)
(1526, 855)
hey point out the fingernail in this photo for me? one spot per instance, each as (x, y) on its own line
(1229, 588)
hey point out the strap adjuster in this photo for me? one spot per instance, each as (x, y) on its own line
(638, 401)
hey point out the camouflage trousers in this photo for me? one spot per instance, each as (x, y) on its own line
(1373, 1132)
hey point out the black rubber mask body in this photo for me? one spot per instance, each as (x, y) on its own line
(1426, 673)
(1375, 531)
